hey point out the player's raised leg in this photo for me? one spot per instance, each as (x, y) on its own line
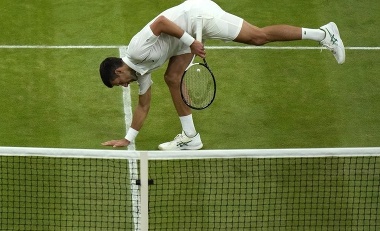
(327, 35)
(253, 35)
(188, 138)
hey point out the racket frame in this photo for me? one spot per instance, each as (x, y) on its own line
(204, 64)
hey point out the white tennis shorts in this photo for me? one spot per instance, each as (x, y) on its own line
(217, 23)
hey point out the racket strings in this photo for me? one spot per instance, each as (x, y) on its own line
(198, 86)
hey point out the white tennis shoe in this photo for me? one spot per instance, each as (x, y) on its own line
(333, 42)
(183, 142)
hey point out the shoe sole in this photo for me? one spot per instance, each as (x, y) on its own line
(179, 149)
(194, 148)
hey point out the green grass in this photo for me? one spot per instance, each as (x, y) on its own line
(47, 106)
(308, 102)
(265, 98)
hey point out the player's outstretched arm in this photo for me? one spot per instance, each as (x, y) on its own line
(164, 25)
(139, 117)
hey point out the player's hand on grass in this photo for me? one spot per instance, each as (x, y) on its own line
(198, 49)
(116, 143)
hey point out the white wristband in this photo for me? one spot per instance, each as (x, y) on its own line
(187, 39)
(131, 134)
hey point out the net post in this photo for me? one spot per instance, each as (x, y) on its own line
(144, 194)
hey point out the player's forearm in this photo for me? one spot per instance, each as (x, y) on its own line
(137, 122)
(139, 117)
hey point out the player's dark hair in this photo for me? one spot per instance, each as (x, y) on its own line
(107, 69)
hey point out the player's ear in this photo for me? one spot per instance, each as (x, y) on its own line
(118, 71)
(121, 70)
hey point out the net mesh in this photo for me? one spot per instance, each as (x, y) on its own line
(334, 193)
(45, 193)
(191, 191)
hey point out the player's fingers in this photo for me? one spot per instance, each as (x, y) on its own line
(120, 143)
(108, 143)
(202, 55)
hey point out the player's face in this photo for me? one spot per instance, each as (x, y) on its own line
(122, 81)
(124, 77)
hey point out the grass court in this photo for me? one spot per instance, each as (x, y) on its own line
(266, 98)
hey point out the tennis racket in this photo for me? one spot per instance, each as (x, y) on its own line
(198, 85)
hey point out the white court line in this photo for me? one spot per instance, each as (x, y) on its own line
(207, 47)
(282, 48)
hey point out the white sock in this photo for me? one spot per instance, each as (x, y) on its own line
(188, 125)
(313, 34)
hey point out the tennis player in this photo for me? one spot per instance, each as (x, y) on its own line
(170, 37)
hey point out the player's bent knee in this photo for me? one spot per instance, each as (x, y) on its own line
(252, 35)
(258, 39)
(253, 39)
(172, 80)
(258, 42)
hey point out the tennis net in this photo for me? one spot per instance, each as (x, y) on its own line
(289, 189)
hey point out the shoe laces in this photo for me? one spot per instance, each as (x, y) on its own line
(329, 44)
(179, 137)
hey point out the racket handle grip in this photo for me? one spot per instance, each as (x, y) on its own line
(199, 27)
